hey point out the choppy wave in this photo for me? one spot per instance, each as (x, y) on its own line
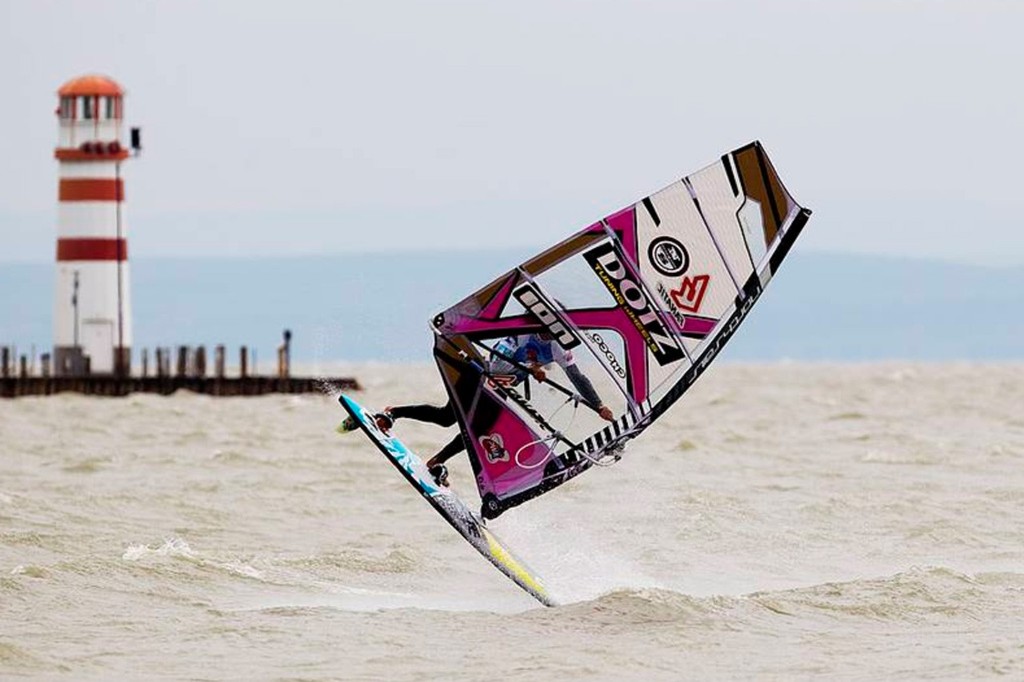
(917, 594)
(178, 549)
(13, 657)
(911, 595)
(347, 561)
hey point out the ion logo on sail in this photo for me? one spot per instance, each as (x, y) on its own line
(532, 302)
(631, 298)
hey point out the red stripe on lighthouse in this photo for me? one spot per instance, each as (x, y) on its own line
(91, 189)
(93, 155)
(91, 249)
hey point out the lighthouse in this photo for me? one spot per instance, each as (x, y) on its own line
(92, 323)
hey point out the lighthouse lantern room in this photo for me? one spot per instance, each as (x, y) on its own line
(92, 327)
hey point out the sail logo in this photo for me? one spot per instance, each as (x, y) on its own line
(503, 380)
(690, 293)
(609, 355)
(530, 299)
(668, 256)
(494, 447)
(632, 299)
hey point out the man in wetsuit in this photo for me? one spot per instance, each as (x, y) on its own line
(514, 357)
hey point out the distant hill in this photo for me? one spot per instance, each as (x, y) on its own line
(376, 306)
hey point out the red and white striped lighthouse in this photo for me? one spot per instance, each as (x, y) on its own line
(92, 308)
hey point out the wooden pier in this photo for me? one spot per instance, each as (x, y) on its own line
(189, 375)
(13, 387)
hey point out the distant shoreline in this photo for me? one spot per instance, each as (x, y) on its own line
(822, 307)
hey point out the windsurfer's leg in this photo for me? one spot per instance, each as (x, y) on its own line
(435, 465)
(453, 448)
(442, 415)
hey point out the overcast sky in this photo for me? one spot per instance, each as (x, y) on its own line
(320, 127)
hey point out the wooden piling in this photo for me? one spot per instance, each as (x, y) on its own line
(200, 362)
(218, 361)
(182, 361)
(243, 362)
(122, 361)
(284, 356)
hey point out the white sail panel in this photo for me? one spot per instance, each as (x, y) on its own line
(684, 266)
(720, 207)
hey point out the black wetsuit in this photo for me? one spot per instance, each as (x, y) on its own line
(442, 415)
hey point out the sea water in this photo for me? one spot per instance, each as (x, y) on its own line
(783, 521)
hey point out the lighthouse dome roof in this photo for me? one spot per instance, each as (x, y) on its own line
(92, 84)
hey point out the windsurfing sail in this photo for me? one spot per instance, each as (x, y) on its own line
(639, 303)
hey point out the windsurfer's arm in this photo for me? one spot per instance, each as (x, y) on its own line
(586, 390)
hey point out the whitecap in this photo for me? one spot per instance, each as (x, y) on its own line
(171, 547)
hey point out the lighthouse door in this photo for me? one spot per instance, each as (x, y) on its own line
(98, 344)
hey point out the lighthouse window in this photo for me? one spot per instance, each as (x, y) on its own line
(67, 107)
(108, 105)
(87, 107)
